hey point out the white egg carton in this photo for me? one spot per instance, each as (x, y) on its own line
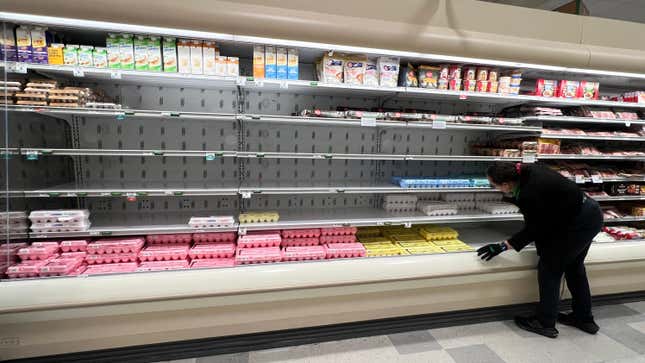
(466, 205)
(399, 208)
(400, 199)
(212, 222)
(498, 208)
(70, 216)
(458, 197)
(488, 197)
(81, 226)
(437, 208)
(429, 197)
(13, 216)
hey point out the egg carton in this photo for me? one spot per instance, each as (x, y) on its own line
(13, 217)
(214, 237)
(163, 265)
(45, 244)
(112, 258)
(79, 271)
(110, 268)
(429, 197)
(434, 233)
(345, 250)
(488, 197)
(11, 249)
(350, 238)
(212, 222)
(78, 255)
(72, 216)
(212, 250)
(466, 206)
(115, 245)
(37, 253)
(27, 269)
(258, 255)
(213, 263)
(169, 238)
(498, 208)
(379, 239)
(14, 228)
(457, 248)
(259, 217)
(338, 231)
(432, 183)
(305, 241)
(448, 242)
(458, 197)
(53, 227)
(74, 245)
(60, 267)
(400, 199)
(424, 250)
(164, 253)
(399, 208)
(301, 233)
(368, 232)
(259, 240)
(304, 253)
(389, 251)
(438, 208)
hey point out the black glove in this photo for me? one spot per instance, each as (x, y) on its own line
(491, 250)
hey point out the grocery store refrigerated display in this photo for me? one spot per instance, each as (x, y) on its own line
(213, 178)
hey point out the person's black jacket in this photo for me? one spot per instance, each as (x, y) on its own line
(549, 203)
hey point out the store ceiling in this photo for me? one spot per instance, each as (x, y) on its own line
(628, 10)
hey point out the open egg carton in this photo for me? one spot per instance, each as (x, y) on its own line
(258, 255)
(270, 239)
(299, 253)
(213, 263)
(169, 238)
(116, 245)
(259, 217)
(303, 241)
(437, 208)
(165, 265)
(212, 250)
(164, 252)
(498, 208)
(212, 222)
(345, 250)
(210, 237)
(301, 233)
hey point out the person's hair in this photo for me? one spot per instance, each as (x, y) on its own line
(503, 172)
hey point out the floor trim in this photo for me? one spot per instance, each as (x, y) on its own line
(283, 338)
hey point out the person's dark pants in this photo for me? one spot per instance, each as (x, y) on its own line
(568, 258)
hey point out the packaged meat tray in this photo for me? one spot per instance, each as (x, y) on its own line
(214, 237)
(164, 252)
(37, 253)
(115, 245)
(259, 240)
(344, 250)
(110, 268)
(163, 265)
(301, 233)
(73, 245)
(258, 255)
(350, 238)
(60, 267)
(26, 269)
(71, 216)
(213, 263)
(302, 241)
(107, 258)
(212, 250)
(212, 222)
(298, 253)
(337, 231)
(169, 238)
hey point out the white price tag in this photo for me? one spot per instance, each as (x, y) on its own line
(284, 84)
(628, 124)
(246, 195)
(166, 114)
(528, 158)
(580, 179)
(241, 231)
(259, 82)
(78, 72)
(241, 81)
(17, 68)
(368, 121)
(115, 74)
(596, 179)
(380, 223)
(407, 225)
(439, 124)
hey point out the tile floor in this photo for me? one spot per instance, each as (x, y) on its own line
(621, 340)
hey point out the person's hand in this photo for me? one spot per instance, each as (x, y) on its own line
(491, 250)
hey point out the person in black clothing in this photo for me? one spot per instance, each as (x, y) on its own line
(562, 222)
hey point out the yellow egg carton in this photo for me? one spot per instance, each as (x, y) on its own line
(448, 242)
(401, 237)
(435, 233)
(259, 217)
(389, 251)
(457, 248)
(368, 232)
(374, 240)
(424, 250)
(416, 244)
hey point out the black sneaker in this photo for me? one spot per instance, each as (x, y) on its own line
(533, 325)
(586, 326)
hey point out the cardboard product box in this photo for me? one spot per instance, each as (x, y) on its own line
(154, 54)
(292, 64)
(183, 56)
(196, 57)
(113, 45)
(39, 45)
(169, 54)
(208, 52)
(23, 44)
(126, 50)
(270, 63)
(55, 53)
(141, 48)
(281, 63)
(258, 61)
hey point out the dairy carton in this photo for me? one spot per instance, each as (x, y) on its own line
(183, 55)
(100, 57)
(221, 65)
(270, 65)
(196, 57)
(23, 43)
(208, 51)
(70, 55)
(141, 53)
(292, 64)
(258, 61)
(233, 66)
(85, 56)
(55, 53)
(113, 45)
(169, 54)
(39, 45)
(8, 46)
(154, 54)
(281, 63)
(126, 51)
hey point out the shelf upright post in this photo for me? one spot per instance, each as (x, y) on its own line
(241, 144)
(78, 160)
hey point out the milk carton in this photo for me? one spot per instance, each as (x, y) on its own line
(270, 64)
(141, 49)
(208, 51)
(39, 45)
(292, 64)
(23, 43)
(258, 61)
(169, 54)
(183, 55)
(113, 45)
(126, 50)
(196, 57)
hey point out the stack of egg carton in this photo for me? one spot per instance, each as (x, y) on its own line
(464, 201)
(302, 244)
(437, 208)
(259, 247)
(64, 220)
(212, 222)
(213, 250)
(8, 90)
(35, 93)
(492, 203)
(114, 255)
(46, 258)
(340, 242)
(165, 252)
(13, 223)
(400, 203)
(259, 217)
(9, 255)
(381, 246)
(444, 238)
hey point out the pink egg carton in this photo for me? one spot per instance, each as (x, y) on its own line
(29, 268)
(79, 271)
(337, 231)
(344, 250)
(115, 245)
(348, 238)
(212, 250)
(259, 240)
(304, 253)
(11, 249)
(111, 268)
(213, 263)
(60, 267)
(74, 245)
(163, 265)
(306, 241)
(301, 233)
(164, 252)
(258, 255)
(45, 244)
(77, 254)
(106, 258)
(214, 237)
(169, 238)
(37, 253)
